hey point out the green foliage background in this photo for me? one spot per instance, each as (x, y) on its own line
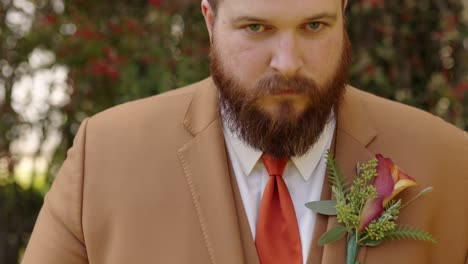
(412, 51)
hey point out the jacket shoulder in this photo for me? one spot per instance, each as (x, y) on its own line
(405, 120)
(415, 138)
(166, 107)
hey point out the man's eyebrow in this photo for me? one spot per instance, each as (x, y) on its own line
(247, 18)
(324, 15)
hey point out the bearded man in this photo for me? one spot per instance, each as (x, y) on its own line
(219, 171)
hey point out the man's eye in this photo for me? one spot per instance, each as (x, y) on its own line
(256, 28)
(314, 26)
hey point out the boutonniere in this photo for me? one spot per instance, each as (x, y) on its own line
(366, 210)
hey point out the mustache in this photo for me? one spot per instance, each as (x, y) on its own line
(277, 84)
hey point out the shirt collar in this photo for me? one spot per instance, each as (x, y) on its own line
(306, 164)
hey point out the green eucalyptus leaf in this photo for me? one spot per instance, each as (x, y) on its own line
(353, 248)
(327, 207)
(373, 243)
(334, 234)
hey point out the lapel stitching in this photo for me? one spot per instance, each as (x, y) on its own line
(196, 203)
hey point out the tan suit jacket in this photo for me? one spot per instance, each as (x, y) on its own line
(149, 182)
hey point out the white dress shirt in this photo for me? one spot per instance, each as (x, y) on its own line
(304, 177)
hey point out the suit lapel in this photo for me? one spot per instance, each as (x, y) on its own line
(206, 170)
(348, 154)
(353, 134)
(248, 244)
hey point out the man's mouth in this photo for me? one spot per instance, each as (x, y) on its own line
(288, 92)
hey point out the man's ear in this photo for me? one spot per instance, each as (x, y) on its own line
(345, 4)
(209, 16)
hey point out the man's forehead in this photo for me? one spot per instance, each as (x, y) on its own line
(278, 9)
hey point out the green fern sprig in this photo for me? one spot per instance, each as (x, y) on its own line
(410, 232)
(335, 178)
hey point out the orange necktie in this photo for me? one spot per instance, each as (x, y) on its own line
(277, 234)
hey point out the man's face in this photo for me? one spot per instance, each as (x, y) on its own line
(280, 67)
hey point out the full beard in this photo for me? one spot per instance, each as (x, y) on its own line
(288, 134)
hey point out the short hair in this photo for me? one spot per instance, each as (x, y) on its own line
(214, 4)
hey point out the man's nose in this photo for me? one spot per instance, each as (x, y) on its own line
(286, 58)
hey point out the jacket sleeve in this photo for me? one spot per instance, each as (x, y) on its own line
(58, 234)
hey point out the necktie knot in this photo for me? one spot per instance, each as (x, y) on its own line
(274, 166)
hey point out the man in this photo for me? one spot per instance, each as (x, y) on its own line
(183, 177)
